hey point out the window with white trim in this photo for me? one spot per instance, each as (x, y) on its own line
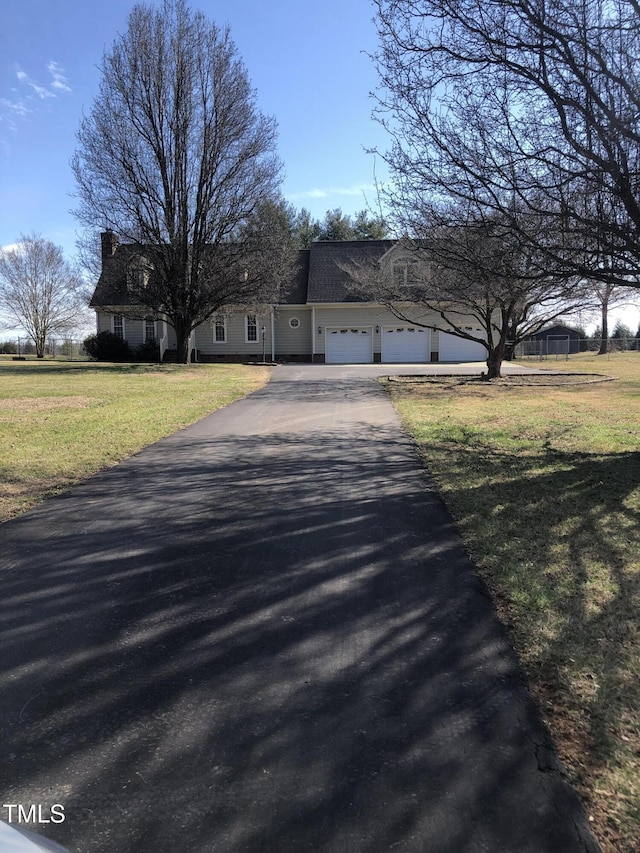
(220, 330)
(149, 329)
(406, 272)
(117, 325)
(138, 278)
(294, 322)
(251, 328)
(139, 271)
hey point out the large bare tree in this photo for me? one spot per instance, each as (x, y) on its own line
(475, 279)
(519, 103)
(39, 290)
(175, 156)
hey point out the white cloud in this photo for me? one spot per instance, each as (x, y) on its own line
(18, 108)
(59, 79)
(57, 86)
(41, 91)
(317, 192)
(24, 103)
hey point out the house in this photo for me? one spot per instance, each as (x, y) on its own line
(556, 340)
(319, 319)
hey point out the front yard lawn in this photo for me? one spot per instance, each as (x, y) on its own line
(544, 484)
(62, 421)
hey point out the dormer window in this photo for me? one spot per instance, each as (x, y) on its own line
(405, 272)
(138, 273)
(138, 278)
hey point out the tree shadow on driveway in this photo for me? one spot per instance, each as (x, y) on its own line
(268, 642)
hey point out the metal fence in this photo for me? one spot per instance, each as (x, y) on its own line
(63, 348)
(563, 347)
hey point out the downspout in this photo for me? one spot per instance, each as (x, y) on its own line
(313, 334)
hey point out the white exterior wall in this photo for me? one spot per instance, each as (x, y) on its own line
(357, 315)
(133, 329)
(293, 341)
(236, 343)
(103, 322)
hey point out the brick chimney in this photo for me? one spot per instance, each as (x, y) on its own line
(109, 244)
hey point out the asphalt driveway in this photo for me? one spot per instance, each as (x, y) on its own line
(263, 634)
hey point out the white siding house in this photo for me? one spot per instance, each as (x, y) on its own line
(321, 319)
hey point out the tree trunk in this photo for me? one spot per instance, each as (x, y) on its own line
(182, 347)
(604, 340)
(183, 331)
(494, 362)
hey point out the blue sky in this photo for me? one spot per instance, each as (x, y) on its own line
(308, 64)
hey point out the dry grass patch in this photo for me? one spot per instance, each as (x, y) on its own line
(63, 421)
(544, 484)
(33, 405)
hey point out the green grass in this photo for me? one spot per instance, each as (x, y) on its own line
(544, 484)
(63, 421)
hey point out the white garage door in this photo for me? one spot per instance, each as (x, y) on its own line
(348, 345)
(405, 344)
(460, 349)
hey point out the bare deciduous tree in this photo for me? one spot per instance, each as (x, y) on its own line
(608, 296)
(482, 283)
(503, 103)
(39, 290)
(175, 156)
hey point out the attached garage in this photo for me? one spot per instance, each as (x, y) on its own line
(453, 348)
(348, 345)
(402, 344)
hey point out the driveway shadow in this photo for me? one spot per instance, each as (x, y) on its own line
(268, 642)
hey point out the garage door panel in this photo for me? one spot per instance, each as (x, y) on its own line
(405, 344)
(348, 345)
(453, 348)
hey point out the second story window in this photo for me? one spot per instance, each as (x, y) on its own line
(138, 276)
(406, 272)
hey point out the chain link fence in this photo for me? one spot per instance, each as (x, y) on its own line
(69, 349)
(562, 347)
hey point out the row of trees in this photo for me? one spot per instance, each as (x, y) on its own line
(337, 226)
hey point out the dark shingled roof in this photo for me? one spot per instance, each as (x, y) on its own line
(112, 284)
(328, 280)
(297, 293)
(319, 276)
